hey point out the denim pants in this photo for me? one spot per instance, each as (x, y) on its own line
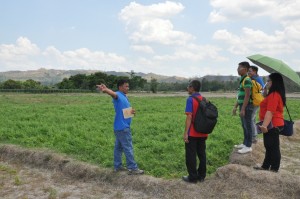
(124, 144)
(196, 147)
(254, 130)
(272, 145)
(247, 125)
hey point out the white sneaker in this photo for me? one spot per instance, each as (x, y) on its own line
(135, 171)
(240, 146)
(245, 150)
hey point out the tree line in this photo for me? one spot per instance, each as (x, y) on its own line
(83, 82)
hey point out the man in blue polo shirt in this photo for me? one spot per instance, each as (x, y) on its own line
(122, 130)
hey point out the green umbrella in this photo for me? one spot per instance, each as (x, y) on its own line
(275, 65)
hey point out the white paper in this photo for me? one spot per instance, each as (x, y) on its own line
(127, 113)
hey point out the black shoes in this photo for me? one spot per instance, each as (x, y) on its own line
(187, 179)
(201, 179)
(259, 168)
(273, 170)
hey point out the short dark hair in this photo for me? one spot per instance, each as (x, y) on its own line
(121, 82)
(245, 64)
(255, 68)
(196, 84)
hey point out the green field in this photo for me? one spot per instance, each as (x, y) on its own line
(81, 125)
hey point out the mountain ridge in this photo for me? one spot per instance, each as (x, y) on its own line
(53, 76)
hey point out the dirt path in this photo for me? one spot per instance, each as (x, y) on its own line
(18, 181)
(40, 174)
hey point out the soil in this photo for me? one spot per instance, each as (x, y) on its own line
(27, 173)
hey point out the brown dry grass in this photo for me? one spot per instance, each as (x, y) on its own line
(27, 173)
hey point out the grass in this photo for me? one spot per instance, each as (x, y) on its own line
(12, 173)
(52, 192)
(7, 169)
(81, 125)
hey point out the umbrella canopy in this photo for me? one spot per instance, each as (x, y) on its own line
(275, 65)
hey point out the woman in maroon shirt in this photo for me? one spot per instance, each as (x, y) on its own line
(271, 113)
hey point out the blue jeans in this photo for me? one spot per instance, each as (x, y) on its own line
(254, 130)
(247, 125)
(124, 144)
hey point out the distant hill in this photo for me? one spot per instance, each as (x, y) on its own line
(45, 76)
(219, 78)
(149, 76)
(52, 76)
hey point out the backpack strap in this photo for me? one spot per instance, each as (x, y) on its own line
(244, 79)
(258, 85)
(243, 84)
(256, 88)
(199, 100)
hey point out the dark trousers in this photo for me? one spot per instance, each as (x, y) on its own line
(272, 145)
(195, 147)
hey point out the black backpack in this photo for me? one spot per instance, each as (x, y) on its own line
(206, 116)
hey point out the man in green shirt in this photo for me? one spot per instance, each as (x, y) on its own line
(244, 102)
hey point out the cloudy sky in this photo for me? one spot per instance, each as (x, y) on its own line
(186, 38)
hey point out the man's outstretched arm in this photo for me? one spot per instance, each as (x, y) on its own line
(104, 89)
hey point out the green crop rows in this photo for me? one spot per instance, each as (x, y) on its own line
(81, 125)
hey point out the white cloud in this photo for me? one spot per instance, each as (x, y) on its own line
(142, 48)
(227, 10)
(215, 16)
(292, 32)
(152, 24)
(255, 41)
(282, 41)
(287, 10)
(53, 55)
(22, 48)
(19, 54)
(160, 31)
(25, 55)
(194, 53)
(136, 12)
(84, 58)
